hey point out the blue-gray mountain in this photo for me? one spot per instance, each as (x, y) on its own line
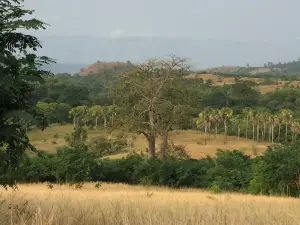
(76, 52)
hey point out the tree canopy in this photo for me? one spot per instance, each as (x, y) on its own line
(19, 74)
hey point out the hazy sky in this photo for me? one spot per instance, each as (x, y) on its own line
(203, 19)
(268, 29)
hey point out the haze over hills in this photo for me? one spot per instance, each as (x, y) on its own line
(74, 53)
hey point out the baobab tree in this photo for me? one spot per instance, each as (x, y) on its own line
(143, 91)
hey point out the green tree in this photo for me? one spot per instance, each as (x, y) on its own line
(226, 114)
(287, 116)
(143, 92)
(78, 114)
(19, 72)
(246, 114)
(96, 113)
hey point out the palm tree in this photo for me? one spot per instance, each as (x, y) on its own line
(96, 112)
(252, 117)
(271, 128)
(287, 116)
(226, 114)
(295, 130)
(202, 122)
(260, 120)
(265, 117)
(278, 121)
(216, 120)
(205, 119)
(112, 111)
(246, 113)
(78, 113)
(237, 121)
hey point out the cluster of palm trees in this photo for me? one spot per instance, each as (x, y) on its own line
(101, 115)
(259, 124)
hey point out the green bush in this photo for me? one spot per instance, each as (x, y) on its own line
(73, 164)
(277, 172)
(232, 170)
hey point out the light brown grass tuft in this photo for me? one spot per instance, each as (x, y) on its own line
(134, 205)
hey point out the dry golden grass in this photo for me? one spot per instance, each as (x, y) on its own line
(220, 81)
(117, 204)
(192, 140)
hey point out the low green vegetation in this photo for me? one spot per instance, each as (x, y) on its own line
(274, 173)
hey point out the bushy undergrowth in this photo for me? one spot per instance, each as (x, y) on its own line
(277, 172)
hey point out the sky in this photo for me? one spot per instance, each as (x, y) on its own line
(274, 22)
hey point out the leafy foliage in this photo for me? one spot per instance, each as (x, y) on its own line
(19, 72)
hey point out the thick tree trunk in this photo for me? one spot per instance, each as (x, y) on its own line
(96, 122)
(164, 145)
(151, 137)
(74, 122)
(253, 132)
(151, 146)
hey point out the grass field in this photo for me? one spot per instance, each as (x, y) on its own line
(117, 204)
(220, 81)
(192, 140)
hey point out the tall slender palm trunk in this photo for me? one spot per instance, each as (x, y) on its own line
(279, 132)
(286, 132)
(257, 132)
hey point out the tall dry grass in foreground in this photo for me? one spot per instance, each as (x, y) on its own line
(120, 204)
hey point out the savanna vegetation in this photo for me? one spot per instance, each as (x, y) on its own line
(154, 99)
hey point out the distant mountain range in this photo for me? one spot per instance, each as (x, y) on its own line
(74, 53)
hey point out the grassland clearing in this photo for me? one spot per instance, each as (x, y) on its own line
(136, 205)
(220, 81)
(192, 140)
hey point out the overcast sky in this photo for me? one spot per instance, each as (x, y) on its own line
(204, 19)
(272, 21)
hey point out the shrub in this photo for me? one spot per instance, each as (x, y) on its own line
(268, 81)
(232, 170)
(103, 146)
(215, 189)
(77, 137)
(55, 136)
(277, 171)
(73, 164)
